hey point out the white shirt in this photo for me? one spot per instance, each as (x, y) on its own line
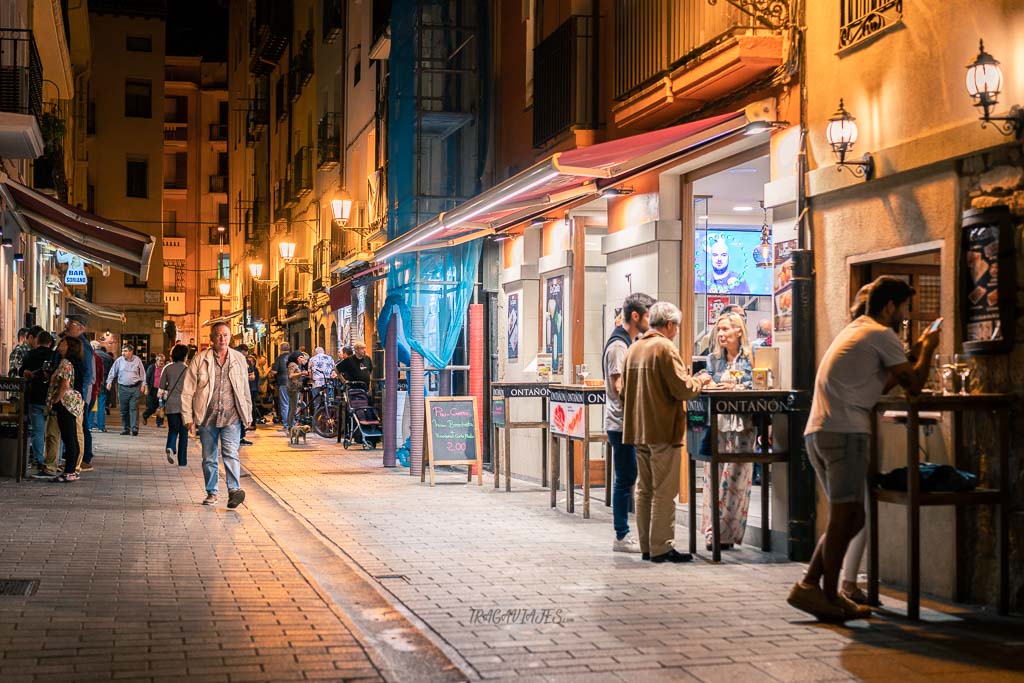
(851, 377)
(613, 361)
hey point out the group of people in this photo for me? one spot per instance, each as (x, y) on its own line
(648, 386)
(294, 368)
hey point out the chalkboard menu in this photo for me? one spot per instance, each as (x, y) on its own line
(986, 258)
(452, 434)
(498, 411)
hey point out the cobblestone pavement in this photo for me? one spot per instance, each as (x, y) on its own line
(140, 582)
(568, 609)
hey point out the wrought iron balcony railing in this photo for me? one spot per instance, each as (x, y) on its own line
(303, 172)
(301, 72)
(565, 80)
(269, 31)
(21, 73)
(218, 183)
(333, 19)
(281, 205)
(328, 141)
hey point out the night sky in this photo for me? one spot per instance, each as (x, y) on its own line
(198, 27)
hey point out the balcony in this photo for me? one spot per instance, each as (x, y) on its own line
(218, 184)
(257, 117)
(565, 80)
(333, 18)
(673, 57)
(175, 132)
(281, 201)
(48, 172)
(175, 183)
(303, 173)
(269, 30)
(174, 248)
(218, 132)
(301, 72)
(21, 95)
(325, 252)
(328, 141)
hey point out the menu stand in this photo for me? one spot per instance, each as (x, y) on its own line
(572, 398)
(502, 394)
(13, 430)
(761, 406)
(913, 498)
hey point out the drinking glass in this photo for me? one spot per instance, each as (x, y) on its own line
(962, 365)
(584, 372)
(944, 366)
(735, 373)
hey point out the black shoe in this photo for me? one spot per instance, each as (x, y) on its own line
(135, 432)
(721, 546)
(245, 442)
(645, 556)
(125, 433)
(235, 498)
(673, 556)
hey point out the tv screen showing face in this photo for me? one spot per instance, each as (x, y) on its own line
(724, 263)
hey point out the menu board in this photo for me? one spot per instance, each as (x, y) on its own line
(986, 258)
(567, 410)
(452, 434)
(498, 411)
(783, 288)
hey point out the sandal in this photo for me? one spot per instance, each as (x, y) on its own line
(63, 478)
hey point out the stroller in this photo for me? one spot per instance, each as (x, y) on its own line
(363, 424)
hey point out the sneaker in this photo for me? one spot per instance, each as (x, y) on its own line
(235, 498)
(245, 442)
(852, 610)
(43, 473)
(125, 432)
(859, 596)
(811, 599)
(87, 467)
(211, 499)
(170, 455)
(673, 556)
(626, 544)
(135, 432)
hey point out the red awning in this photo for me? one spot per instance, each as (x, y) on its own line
(93, 238)
(564, 178)
(340, 296)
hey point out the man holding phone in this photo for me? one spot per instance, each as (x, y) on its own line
(865, 360)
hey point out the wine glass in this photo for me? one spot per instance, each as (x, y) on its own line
(944, 363)
(962, 365)
(583, 372)
(735, 374)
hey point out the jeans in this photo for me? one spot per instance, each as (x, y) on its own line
(37, 417)
(100, 422)
(128, 398)
(222, 442)
(282, 402)
(86, 434)
(66, 423)
(177, 437)
(624, 461)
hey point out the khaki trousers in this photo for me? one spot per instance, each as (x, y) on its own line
(51, 444)
(657, 486)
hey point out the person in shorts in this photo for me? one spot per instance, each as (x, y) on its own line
(864, 361)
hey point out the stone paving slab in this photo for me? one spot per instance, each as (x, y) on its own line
(526, 593)
(140, 582)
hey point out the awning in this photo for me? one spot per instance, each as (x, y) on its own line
(94, 309)
(79, 232)
(340, 296)
(568, 177)
(302, 314)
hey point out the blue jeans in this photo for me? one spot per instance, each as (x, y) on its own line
(177, 438)
(86, 434)
(101, 411)
(222, 442)
(624, 461)
(37, 418)
(282, 402)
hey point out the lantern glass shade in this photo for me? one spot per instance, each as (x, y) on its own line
(984, 79)
(341, 208)
(841, 131)
(224, 287)
(287, 250)
(256, 269)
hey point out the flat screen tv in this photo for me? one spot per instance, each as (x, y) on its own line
(724, 263)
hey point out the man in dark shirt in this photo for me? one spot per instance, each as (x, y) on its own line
(359, 367)
(280, 370)
(36, 367)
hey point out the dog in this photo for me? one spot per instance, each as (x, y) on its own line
(297, 432)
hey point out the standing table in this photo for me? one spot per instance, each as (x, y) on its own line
(502, 394)
(913, 498)
(569, 415)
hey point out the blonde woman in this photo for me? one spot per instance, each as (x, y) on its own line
(730, 365)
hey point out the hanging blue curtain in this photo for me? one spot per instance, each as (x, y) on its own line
(440, 281)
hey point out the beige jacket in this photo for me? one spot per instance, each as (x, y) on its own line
(200, 380)
(655, 388)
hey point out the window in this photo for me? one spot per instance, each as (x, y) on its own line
(137, 178)
(132, 281)
(138, 96)
(176, 109)
(138, 44)
(357, 68)
(222, 113)
(222, 163)
(222, 215)
(224, 266)
(176, 171)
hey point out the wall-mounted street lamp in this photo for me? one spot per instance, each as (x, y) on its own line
(287, 250)
(341, 208)
(842, 135)
(256, 270)
(224, 287)
(984, 83)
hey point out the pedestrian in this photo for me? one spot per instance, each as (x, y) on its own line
(298, 369)
(280, 370)
(64, 400)
(254, 390)
(36, 367)
(215, 402)
(655, 388)
(358, 367)
(635, 321)
(343, 355)
(865, 359)
(104, 394)
(171, 386)
(130, 375)
(76, 326)
(192, 350)
(731, 354)
(153, 373)
(18, 353)
(321, 369)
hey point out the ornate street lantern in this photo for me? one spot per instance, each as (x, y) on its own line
(984, 83)
(842, 135)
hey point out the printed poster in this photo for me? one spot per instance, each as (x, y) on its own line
(982, 263)
(554, 320)
(715, 306)
(513, 326)
(783, 288)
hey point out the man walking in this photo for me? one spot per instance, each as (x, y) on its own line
(280, 370)
(101, 400)
(635, 321)
(215, 402)
(130, 374)
(655, 388)
(863, 361)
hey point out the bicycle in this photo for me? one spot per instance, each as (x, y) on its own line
(325, 410)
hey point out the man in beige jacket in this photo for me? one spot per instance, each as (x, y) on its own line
(655, 388)
(215, 400)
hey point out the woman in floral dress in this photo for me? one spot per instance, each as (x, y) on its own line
(731, 352)
(65, 402)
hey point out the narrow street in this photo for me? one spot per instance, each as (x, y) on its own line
(338, 569)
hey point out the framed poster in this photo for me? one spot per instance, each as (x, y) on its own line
(553, 320)
(513, 326)
(782, 291)
(986, 258)
(715, 305)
